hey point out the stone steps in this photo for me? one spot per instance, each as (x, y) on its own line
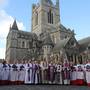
(43, 87)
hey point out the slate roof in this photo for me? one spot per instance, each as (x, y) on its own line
(84, 43)
(14, 26)
(29, 35)
(61, 44)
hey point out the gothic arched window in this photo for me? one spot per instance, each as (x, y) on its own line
(30, 45)
(23, 44)
(50, 17)
(36, 18)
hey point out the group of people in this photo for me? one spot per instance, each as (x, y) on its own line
(43, 72)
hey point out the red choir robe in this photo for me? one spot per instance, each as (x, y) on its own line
(87, 74)
(73, 76)
(80, 75)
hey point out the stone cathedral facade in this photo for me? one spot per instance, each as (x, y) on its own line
(48, 39)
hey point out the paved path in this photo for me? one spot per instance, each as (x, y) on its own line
(44, 87)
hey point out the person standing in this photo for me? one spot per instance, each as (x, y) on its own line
(21, 73)
(73, 79)
(66, 72)
(87, 66)
(44, 71)
(14, 74)
(5, 73)
(28, 70)
(58, 74)
(80, 75)
(51, 73)
(1, 67)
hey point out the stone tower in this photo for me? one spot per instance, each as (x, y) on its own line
(12, 43)
(47, 47)
(45, 16)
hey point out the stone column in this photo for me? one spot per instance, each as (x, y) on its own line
(77, 59)
(73, 58)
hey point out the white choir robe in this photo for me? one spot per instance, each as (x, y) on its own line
(80, 76)
(28, 75)
(88, 76)
(44, 66)
(5, 74)
(0, 73)
(22, 75)
(42, 71)
(74, 76)
(13, 75)
(18, 74)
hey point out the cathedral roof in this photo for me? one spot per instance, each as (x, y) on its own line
(14, 26)
(28, 35)
(84, 43)
(61, 44)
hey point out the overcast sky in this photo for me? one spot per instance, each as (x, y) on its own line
(75, 14)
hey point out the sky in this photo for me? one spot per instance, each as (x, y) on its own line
(74, 14)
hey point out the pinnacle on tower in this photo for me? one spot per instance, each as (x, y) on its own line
(14, 26)
(57, 3)
(46, 1)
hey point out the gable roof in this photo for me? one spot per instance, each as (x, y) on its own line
(84, 43)
(61, 44)
(14, 26)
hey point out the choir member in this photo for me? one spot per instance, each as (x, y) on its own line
(5, 73)
(87, 73)
(21, 73)
(66, 72)
(73, 75)
(14, 73)
(1, 73)
(51, 73)
(80, 75)
(28, 70)
(44, 71)
(58, 74)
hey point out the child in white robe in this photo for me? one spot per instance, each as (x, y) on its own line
(87, 74)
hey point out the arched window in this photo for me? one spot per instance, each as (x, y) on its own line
(50, 17)
(23, 44)
(36, 18)
(30, 45)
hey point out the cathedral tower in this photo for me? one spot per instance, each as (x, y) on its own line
(45, 16)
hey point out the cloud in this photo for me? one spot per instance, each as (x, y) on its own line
(2, 53)
(5, 21)
(3, 3)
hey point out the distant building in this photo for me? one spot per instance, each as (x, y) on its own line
(48, 38)
(1, 60)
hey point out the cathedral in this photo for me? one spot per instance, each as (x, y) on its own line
(48, 39)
